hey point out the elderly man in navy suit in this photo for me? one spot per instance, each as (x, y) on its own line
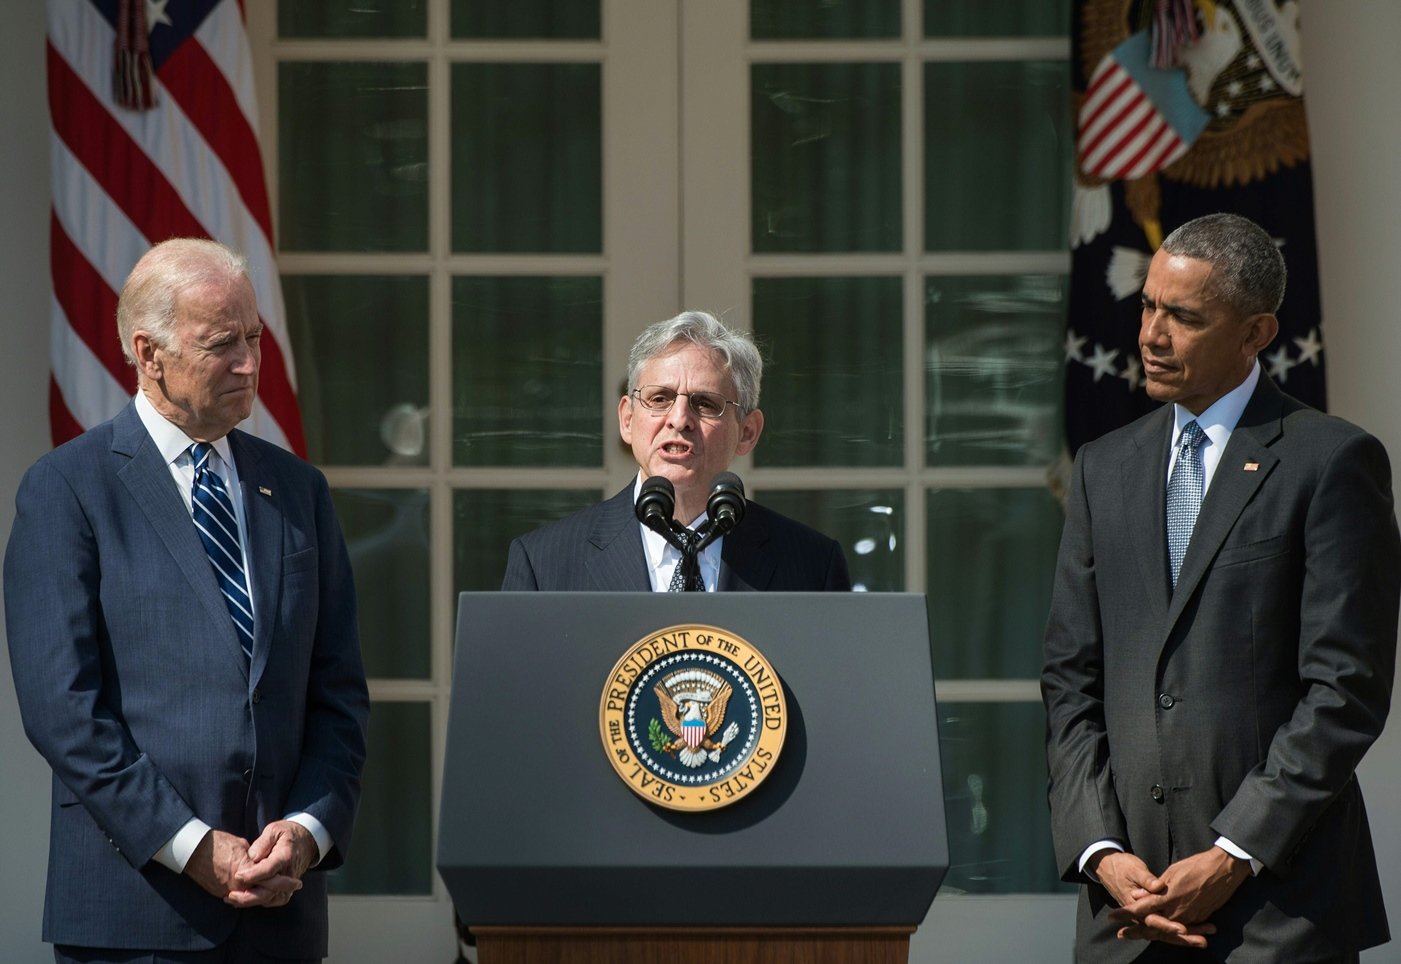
(182, 629)
(692, 406)
(1222, 642)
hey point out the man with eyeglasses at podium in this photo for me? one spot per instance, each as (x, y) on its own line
(692, 406)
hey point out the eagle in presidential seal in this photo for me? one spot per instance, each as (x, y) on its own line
(693, 717)
(693, 703)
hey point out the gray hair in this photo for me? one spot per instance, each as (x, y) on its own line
(151, 294)
(734, 348)
(1250, 272)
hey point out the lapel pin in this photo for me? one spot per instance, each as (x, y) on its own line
(264, 490)
(1249, 467)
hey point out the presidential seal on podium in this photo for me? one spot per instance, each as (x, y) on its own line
(693, 718)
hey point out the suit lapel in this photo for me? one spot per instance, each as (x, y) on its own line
(1142, 477)
(147, 477)
(745, 561)
(620, 562)
(1232, 487)
(263, 554)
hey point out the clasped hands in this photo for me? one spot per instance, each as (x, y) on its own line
(1175, 906)
(265, 873)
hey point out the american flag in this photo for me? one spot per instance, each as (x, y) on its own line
(1135, 119)
(154, 137)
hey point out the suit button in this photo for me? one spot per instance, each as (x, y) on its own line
(257, 696)
(1156, 793)
(248, 777)
(1165, 700)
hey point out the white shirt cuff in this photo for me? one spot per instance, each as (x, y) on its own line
(1093, 849)
(318, 832)
(1235, 851)
(178, 849)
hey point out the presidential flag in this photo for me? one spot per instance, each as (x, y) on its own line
(154, 137)
(1183, 109)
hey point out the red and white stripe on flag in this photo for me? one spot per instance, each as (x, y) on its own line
(125, 179)
(1121, 133)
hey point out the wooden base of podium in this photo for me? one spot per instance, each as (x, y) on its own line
(683, 945)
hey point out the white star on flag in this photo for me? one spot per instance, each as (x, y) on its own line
(1074, 346)
(1310, 347)
(1132, 373)
(1102, 361)
(1280, 363)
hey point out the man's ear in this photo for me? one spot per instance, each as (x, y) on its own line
(1260, 330)
(750, 428)
(148, 363)
(625, 419)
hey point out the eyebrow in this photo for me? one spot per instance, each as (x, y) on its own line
(1181, 311)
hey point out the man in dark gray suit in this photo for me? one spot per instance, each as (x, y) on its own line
(182, 628)
(692, 406)
(1221, 643)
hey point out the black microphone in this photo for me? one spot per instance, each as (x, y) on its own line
(725, 506)
(656, 501)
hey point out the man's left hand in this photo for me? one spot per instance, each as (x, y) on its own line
(1197, 886)
(284, 849)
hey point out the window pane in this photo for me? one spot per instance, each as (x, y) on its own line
(826, 167)
(391, 850)
(991, 556)
(833, 382)
(997, 148)
(1005, 18)
(868, 523)
(525, 19)
(994, 767)
(361, 346)
(527, 167)
(484, 521)
(828, 19)
(353, 156)
(527, 379)
(993, 347)
(352, 18)
(386, 533)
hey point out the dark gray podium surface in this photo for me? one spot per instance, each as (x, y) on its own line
(535, 827)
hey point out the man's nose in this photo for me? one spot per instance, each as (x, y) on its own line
(1153, 331)
(246, 362)
(680, 414)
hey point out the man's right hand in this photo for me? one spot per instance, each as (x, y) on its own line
(1128, 879)
(215, 863)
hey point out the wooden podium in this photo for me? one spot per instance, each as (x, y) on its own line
(678, 945)
(550, 857)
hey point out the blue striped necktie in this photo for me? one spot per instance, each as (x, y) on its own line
(218, 530)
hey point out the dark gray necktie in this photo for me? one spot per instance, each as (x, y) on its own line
(1184, 495)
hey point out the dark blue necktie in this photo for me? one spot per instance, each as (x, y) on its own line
(218, 530)
(1184, 495)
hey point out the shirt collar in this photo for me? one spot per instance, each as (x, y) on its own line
(1220, 418)
(170, 440)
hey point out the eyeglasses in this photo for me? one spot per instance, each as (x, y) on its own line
(659, 400)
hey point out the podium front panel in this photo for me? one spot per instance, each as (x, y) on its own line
(537, 828)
